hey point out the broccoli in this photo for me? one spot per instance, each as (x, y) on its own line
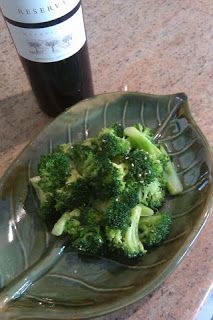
(68, 223)
(118, 212)
(118, 129)
(110, 180)
(145, 211)
(117, 216)
(153, 229)
(48, 212)
(102, 205)
(140, 167)
(131, 195)
(41, 195)
(104, 193)
(153, 194)
(141, 139)
(85, 160)
(75, 194)
(53, 170)
(72, 177)
(89, 240)
(91, 217)
(47, 202)
(126, 240)
(65, 148)
(86, 238)
(112, 145)
(173, 182)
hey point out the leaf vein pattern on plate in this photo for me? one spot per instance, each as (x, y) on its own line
(158, 113)
(124, 114)
(52, 302)
(192, 165)
(178, 236)
(69, 133)
(86, 133)
(179, 152)
(142, 114)
(88, 285)
(185, 212)
(177, 135)
(105, 114)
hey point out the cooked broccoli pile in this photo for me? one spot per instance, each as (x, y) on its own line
(105, 192)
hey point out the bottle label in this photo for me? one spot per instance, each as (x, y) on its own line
(49, 40)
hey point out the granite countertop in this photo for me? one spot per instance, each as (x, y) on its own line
(155, 46)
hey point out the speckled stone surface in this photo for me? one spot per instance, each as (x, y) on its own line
(156, 46)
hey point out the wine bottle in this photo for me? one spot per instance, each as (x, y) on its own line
(50, 39)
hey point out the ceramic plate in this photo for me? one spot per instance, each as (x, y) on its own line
(42, 279)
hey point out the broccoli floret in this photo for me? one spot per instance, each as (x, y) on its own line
(131, 195)
(118, 129)
(42, 196)
(154, 229)
(127, 241)
(86, 238)
(166, 170)
(65, 148)
(73, 195)
(47, 210)
(158, 168)
(68, 223)
(140, 167)
(73, 227)
(118, 213)
(73, 176)
(89, 240)
(153, 194)
(112, 145)
(110, 180)
(46, 199)
(146, 131)
(85, 160)
(53, 170)
(91, 217)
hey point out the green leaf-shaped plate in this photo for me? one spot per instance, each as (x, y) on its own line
(41, 278)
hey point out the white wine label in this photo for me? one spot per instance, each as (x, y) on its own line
(35, 11)
(53, 43)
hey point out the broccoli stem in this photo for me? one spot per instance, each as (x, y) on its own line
(139, 140)
(146, 211)
(42, 196)
(59, 226)
(132, 241)
(173, 182)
